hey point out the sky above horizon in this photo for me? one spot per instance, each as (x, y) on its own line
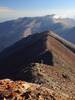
(10, 9)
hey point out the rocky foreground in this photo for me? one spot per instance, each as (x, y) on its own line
(20, 90)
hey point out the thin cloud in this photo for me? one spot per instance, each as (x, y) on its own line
(6, 10)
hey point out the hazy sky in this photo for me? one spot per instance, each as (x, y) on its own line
(18, 8)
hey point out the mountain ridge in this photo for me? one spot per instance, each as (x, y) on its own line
(34, 49)
(41, 59)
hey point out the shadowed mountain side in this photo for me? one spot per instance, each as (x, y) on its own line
(27, 50)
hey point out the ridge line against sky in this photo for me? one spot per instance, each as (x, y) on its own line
(10, 9)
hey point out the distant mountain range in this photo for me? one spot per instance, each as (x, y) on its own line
(12, 31)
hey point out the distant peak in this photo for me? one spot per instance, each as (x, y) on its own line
(50, 16)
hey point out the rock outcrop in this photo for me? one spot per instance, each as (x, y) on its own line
(20, 90)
